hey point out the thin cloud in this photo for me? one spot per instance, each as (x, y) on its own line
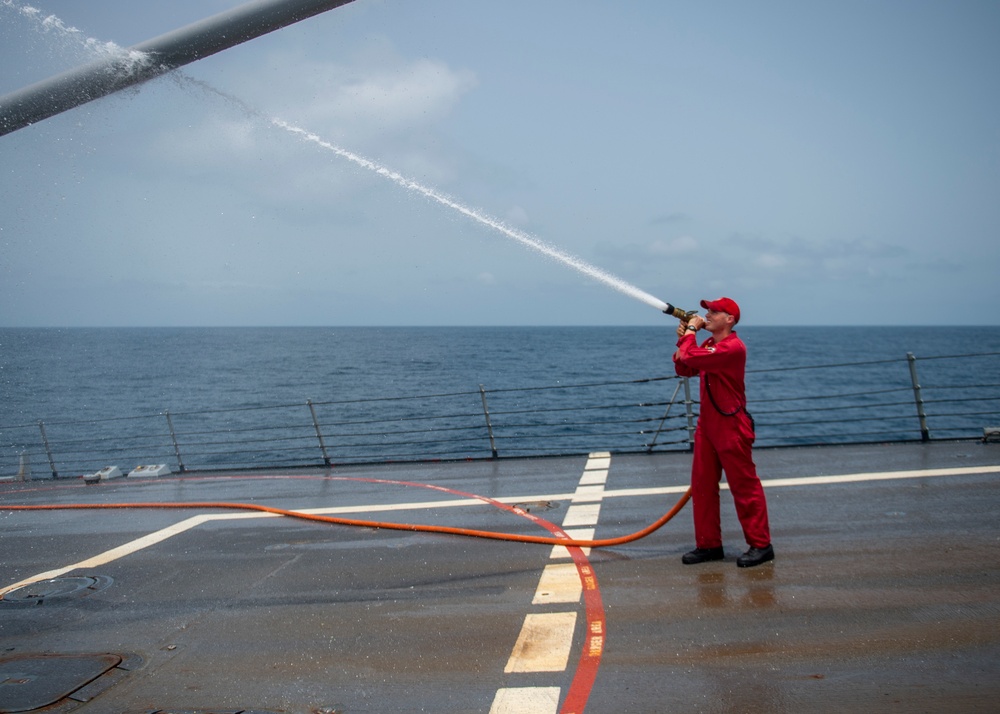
(669, 219)
(389, 104)
(759, 259)
(379, 93)
(657, 250)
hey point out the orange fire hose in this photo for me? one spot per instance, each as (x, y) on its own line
(543, 540)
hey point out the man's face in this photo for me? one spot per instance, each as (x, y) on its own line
(715, 321)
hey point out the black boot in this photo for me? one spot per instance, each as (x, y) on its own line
(701, 555)
(755, 556)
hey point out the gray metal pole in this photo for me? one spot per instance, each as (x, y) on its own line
(659, 427)
(319, 434)
(159, 55)
(173, 438)
(489, 423)
(925, 433)
(48, 450)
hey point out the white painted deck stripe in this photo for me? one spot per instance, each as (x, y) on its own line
(546, 639)
(583, 514)
(628, 492)
(588, 493)
(526, 700)
(880, 476)
(594, 477)
(560, 583)
(596, 461)
(544, 643)
(115, 553)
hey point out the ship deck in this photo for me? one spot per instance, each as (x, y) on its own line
(884, 594)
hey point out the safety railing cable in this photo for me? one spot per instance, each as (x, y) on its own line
(957, 396)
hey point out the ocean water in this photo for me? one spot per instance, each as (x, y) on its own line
(414, 392)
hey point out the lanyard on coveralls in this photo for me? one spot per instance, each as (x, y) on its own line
(708, 390)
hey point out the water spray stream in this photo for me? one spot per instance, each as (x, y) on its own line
(523, 238)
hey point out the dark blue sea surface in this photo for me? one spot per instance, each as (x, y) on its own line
(405, 393)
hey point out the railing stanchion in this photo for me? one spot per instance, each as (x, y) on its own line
(319, 434)
(24, 467)
(173, 438)
(689, 410)
(925, 434)
(489, 424)
(48, 451)
(659, 427)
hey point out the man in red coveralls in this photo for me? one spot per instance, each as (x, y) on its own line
(724, 436)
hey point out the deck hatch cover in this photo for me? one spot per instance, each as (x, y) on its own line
(57, 588)
(30, 682)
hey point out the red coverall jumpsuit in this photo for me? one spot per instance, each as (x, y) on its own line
(722, 443)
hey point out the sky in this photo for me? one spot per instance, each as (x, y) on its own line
(830, 163)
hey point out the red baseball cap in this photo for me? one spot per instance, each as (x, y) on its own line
(723, 304)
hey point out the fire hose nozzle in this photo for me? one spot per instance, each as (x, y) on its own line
(682, 315)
